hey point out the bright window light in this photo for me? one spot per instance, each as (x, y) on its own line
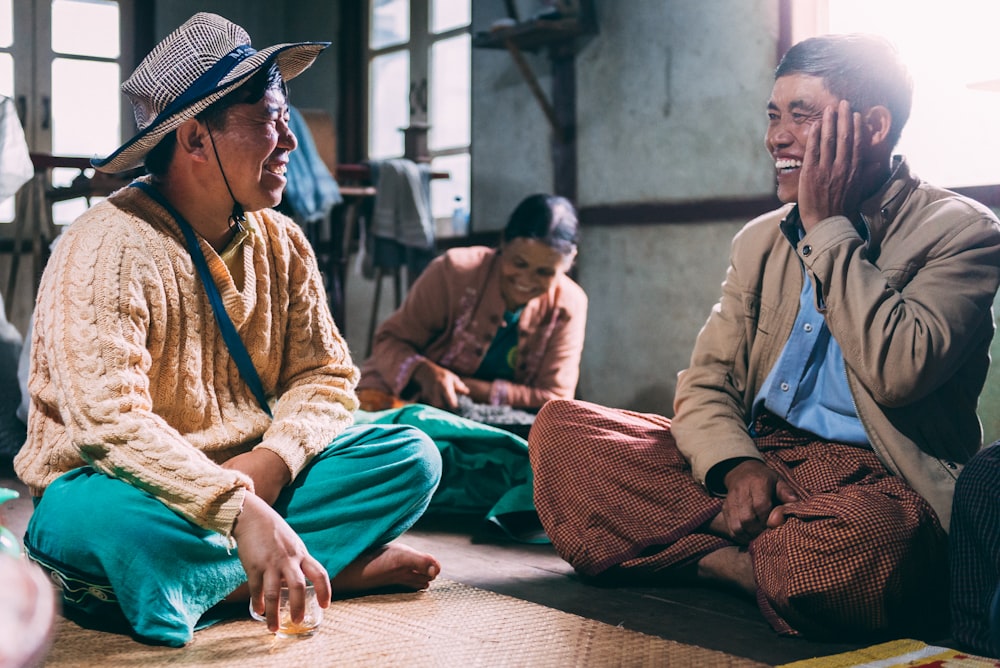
(953, 136)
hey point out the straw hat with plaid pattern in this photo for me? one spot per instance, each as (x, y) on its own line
(194, 66)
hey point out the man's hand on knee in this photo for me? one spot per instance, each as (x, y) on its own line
(754, 493)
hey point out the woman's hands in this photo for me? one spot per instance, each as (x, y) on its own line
(438, 386)
(273, 556)
(479, 390)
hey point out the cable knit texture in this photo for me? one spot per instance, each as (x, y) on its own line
(131, 375)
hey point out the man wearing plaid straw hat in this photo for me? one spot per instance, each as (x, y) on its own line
(190, 392)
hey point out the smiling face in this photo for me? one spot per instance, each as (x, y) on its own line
(797, 103)
(528, 267)
(253, 146)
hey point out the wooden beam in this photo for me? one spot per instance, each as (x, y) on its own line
(564, 148)
(536, 89)
(663, 213)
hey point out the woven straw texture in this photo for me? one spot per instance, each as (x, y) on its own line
(451, 624)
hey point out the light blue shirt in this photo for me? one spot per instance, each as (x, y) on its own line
(808, 386)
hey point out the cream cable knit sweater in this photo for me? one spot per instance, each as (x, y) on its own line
(131, 375)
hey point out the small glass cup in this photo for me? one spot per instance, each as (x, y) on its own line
(286, 627)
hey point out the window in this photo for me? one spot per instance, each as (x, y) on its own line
(419, 55)
(64, 72)
(953, 135)
(6, 81)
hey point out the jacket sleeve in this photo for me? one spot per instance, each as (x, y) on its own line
(559, 370)
(421, 319)
(709, 423)
(906, 325)
(315, 393)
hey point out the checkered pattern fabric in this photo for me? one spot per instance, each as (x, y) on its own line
(975, 552)
(862, 552)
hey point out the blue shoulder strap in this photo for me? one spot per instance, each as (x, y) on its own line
(229, 333)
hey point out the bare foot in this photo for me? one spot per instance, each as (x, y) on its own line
(729, 565)
(389, 565)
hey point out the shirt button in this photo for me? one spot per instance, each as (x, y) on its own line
(808, 327)
(884, 212)
(807, 250)
(784, 387)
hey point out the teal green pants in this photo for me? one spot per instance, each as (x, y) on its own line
(122, 556)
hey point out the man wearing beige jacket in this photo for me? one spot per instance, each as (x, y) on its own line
(831, 397)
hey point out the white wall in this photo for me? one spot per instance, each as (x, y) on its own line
(651, 288)
(511, 155)
(671, 99)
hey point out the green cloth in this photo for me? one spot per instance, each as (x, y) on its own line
(125, 560)
(484, 469)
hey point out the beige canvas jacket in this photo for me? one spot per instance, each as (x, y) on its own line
(911, 308)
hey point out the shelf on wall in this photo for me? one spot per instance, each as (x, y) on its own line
(558, 34)
(533, 35)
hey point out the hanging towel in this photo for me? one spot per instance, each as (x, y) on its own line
(312, 191)
(16, 168)
(402, 203)
(399, 227)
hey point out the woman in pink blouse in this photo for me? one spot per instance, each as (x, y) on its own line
(502, 326)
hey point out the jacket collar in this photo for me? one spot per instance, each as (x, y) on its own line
(876, 211)
(885, 204)
(879, 210)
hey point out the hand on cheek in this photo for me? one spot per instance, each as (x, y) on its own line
(830, 183)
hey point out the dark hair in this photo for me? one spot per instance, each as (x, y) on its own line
(865, 70)
(268, 77)
(548, 218)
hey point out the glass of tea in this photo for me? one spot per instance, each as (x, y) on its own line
(286, 627)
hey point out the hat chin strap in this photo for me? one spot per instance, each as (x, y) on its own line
(238, 216)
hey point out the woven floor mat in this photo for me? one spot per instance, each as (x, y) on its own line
(451, 624)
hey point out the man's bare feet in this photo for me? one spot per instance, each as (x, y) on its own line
(729, 565)
(389, 565)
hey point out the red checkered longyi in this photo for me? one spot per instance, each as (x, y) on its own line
(862, 552)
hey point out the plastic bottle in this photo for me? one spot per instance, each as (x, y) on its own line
(460, 218)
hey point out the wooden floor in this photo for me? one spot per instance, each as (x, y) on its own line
(474, 553)
(478, 554)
